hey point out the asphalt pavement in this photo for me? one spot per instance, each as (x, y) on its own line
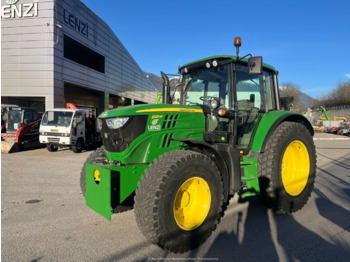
(44, 217)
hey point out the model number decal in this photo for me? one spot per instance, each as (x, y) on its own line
(156, 116)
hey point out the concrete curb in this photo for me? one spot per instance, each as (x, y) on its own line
(338, 138)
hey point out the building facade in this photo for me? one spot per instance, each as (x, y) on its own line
(59, 51)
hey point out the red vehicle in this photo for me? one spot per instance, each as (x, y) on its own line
(19, 128)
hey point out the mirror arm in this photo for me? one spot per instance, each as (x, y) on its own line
(240, 58)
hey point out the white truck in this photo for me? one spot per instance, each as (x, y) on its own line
(68, 128)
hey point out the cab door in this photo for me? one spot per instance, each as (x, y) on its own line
(78, 126)
(255, 95)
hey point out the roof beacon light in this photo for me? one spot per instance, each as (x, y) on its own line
(237, 43)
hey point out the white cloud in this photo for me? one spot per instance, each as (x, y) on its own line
(347, 75)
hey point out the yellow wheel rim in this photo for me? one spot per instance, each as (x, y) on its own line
(192, 203)
(295, 168)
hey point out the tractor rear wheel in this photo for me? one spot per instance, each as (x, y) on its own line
(287, 168)
(179, 200)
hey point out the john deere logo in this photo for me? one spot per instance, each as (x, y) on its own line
(10, 2)
(154, 121)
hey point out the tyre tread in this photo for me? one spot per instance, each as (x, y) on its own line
(149, 189)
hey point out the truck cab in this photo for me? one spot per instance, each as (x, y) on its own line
(66, 128)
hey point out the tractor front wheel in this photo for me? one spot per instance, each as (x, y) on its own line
(287, 168)
(179, 200)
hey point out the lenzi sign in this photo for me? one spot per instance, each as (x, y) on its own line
(76, 23)
(18, 11)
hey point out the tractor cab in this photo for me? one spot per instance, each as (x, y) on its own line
(233, 92)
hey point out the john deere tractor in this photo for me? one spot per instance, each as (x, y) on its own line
(179, 163)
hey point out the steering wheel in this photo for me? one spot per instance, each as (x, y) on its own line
(207, 99)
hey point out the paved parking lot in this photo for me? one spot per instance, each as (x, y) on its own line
(44, 217)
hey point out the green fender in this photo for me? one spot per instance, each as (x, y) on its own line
(269, 122)
(267, 125)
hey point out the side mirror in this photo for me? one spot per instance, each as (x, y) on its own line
(25, 122)
(255, 65)
(252, 98)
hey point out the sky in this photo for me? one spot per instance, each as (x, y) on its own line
(308, 42)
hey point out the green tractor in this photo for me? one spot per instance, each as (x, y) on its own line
(178, 164)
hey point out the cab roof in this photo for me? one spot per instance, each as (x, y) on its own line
(222, 57)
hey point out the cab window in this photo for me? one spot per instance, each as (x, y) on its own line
(78, 119)
(249, 102)
(269, 93)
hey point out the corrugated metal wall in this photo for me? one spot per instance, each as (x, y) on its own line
(27, 52)
(34, 65)
(122, 75)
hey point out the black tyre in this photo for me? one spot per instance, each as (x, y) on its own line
(98, 156)
(287, 168)
(179, 200)
(51, 148)
(78, 147)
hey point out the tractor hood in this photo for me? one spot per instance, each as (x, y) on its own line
(146, 109)
(123, 129)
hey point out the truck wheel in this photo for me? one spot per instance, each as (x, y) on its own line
(179, 200)
(98, 156)
(51, 148)
(287, 168)
(78, 147)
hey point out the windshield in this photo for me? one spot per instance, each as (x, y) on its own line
(56, 118)
(14, 118)
(204, 85)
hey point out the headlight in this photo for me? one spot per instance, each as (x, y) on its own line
(115, 123)
(214, 103)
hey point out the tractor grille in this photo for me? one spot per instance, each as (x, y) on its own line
(166, 141)
(170, 121)
(117, 140)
